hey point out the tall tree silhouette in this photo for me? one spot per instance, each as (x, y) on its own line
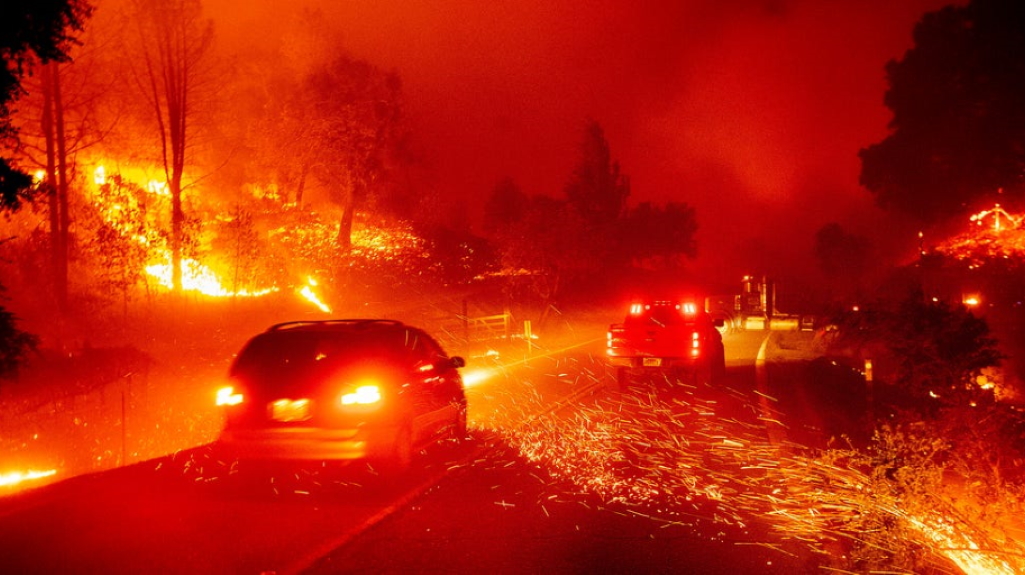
(30, 33)
(958, 102)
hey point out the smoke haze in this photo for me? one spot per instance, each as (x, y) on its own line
(753, 111)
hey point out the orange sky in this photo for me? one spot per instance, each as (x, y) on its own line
(751, 111)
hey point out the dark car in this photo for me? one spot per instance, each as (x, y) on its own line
(368, 389)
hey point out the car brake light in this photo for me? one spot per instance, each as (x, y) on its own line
(228, 396)
(636, 309)
(362, 395)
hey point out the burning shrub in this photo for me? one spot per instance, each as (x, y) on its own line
(934, 352)
(906, 504)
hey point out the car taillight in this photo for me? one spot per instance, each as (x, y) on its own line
(228, 395)
(362, 395)
(695, 344)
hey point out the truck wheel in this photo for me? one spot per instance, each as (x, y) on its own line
(703, 374)
(719, 368)
(622, 379)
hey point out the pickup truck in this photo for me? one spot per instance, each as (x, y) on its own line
(676, 338)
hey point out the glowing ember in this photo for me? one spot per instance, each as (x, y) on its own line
(16, 477)
(680, 453)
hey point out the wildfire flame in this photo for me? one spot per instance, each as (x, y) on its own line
(16, 477)
(998, 215)
(199, 278)
(1002, 239)
(308, 293)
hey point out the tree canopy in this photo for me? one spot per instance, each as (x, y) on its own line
(589, 239)
(597, 190)
(30, 32)
(958, 102)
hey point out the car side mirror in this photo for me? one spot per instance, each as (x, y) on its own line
(719, 322)
(457, 361)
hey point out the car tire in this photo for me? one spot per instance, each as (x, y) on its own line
(459, 431)
(400, 457)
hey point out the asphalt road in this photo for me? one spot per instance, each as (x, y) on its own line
(562, 475)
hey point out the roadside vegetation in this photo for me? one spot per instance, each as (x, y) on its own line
(943, 477)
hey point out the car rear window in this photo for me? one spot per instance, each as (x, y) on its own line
(298, 355)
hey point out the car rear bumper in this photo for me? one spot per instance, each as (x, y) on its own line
(654, 362)
(309, 443)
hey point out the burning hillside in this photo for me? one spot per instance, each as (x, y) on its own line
(994, 236)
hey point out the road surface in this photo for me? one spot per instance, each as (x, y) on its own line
(562, 474)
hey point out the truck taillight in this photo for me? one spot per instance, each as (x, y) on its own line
(695, 344)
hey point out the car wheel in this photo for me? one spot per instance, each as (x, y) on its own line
(399, 460)
(459, 428)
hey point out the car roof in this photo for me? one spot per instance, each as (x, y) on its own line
(339, 325)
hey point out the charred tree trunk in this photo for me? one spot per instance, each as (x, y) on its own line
(345, 229)
(173, 39)
(62, 190)
(303, 171)
(177, 113)
(51, 179)
(56, 182)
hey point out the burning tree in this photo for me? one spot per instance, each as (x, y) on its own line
(343, 122)
(123, 238)
(29, 33)
(172, 39)
(58, 121)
